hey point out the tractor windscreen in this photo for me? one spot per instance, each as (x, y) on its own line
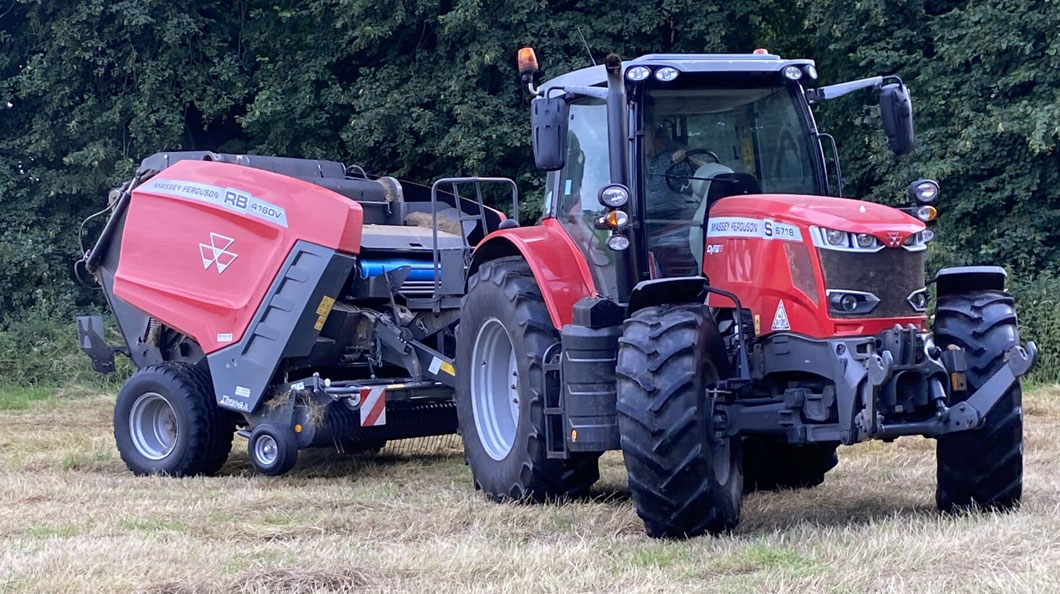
(702, 144)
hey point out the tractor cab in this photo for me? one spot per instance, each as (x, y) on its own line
(694, 129)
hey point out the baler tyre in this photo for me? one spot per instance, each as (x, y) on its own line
(684, 481)
(982, 467)
(222, 430)
(165, 422)
(272, 449)
(504, 332)
(771, 464)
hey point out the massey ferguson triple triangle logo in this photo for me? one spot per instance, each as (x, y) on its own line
(894, 239)
(217, 252)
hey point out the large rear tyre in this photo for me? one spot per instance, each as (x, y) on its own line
(684, 481)
(500, 346)
(167, 422)
(982, 467)
(771, 464)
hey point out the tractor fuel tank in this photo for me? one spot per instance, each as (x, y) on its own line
(589, 358)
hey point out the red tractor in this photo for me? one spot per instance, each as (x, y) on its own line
(695, 299)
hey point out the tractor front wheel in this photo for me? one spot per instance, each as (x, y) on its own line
(685, 481)
(982, 467)
(504, 332)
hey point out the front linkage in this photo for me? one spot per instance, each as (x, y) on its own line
(871, 386)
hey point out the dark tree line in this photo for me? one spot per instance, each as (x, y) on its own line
(425, 88)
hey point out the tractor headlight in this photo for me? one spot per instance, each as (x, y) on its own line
(792, 72)
(918, 241)
(844, 241)
(918, 299)
(865, 240)
(618, 242)
(638, 73)
(847, 302)
(665, 74)
(835, 237)
(614, 196)
(924, 191)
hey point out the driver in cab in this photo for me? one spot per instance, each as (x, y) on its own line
(662, 153)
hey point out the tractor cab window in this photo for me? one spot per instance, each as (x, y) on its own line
(702, 144)
(580, 180)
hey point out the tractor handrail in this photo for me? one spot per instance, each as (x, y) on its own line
(454, 183)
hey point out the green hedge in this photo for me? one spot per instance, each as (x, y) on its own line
(1038, 307)
(41, 348)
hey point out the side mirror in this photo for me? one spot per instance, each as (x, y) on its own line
(549, 119)
(896, 110)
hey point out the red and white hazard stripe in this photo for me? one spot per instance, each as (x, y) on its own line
(373, 406)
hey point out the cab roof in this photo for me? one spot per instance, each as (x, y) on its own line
(595, 75)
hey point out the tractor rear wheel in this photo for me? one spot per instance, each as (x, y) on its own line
(771, 464)
(500, 346)
(684, 481)
(982, 467)
(166, 421)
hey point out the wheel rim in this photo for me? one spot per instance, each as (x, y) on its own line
(495, 389)
(266, 450)
(721, 450)
(153, 426)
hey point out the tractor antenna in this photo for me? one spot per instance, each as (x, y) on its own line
(587, 50)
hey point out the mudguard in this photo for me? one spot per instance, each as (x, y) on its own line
(961, 279)
(558, 265)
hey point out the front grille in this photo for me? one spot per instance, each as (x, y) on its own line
(890, 274)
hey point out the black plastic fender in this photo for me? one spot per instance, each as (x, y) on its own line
(961, 279)
(673, 291)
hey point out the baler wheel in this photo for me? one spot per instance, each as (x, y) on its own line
(981, 467)
(272, 449)
(684, 480)
(504, 332)
(167, 422)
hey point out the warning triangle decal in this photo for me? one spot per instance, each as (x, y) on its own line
(780, 320)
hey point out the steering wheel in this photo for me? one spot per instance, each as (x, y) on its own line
(680, 183)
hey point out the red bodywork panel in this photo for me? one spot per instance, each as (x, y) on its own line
(760, 248)
(558, 265)
(203, 241)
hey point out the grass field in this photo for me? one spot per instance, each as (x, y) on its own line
(72, 519)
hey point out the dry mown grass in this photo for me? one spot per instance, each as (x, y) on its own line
(73, 520)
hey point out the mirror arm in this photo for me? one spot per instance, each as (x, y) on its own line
(594, 92)
(845, 88)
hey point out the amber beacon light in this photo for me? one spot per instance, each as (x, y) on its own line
(527, 62)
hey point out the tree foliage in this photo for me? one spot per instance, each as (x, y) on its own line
(425, 88)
